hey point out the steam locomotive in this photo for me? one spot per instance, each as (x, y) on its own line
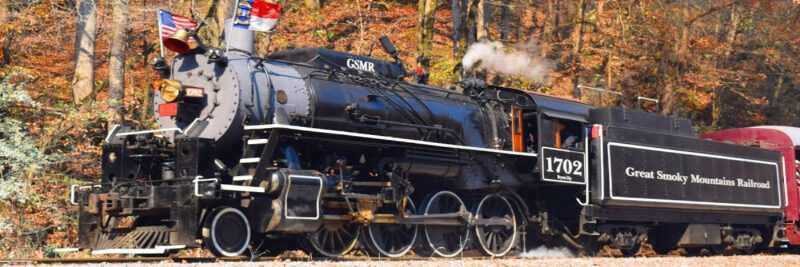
(338, 151)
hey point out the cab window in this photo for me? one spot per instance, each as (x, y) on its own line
(561, 133)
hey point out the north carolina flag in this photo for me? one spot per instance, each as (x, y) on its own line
(258, 15)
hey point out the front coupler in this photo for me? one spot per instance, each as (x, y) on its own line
(148, 196)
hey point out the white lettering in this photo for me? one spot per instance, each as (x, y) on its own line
(563, 166)
(696, 179)
(674, 177)
(360, 65)
(752, 184)
(631, 172)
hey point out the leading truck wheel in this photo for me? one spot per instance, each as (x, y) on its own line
(226, 232)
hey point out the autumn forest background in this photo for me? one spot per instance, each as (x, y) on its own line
(71, 68)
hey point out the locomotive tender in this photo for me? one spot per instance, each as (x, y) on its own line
(337, 150)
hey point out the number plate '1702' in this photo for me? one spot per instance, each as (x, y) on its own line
(562, 166)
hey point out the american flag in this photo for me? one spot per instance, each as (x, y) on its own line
(170, 23)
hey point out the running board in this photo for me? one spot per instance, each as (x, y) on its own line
(242, 178)
(242, 188)
(257, 141)
(249, 160)
(157, 250)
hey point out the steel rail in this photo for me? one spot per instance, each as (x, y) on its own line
(183, 259)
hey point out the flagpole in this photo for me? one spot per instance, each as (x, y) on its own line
(235, 7)
(160, 33)
(225, 25)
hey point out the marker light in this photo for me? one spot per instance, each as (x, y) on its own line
(597, 131)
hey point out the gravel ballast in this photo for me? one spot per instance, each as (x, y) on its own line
(721, 261)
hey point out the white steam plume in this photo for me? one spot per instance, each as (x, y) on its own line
(545, 252)
(521, 61)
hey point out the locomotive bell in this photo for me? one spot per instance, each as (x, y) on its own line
(179, 41)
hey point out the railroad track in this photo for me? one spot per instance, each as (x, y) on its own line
(182, 259)
(210, 259)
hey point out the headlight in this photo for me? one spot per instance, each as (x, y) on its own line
(170, 90)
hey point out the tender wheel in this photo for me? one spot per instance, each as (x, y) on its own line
(496, 227)
(444, 240)
(334, 239)
(392, 240)
(226, 232)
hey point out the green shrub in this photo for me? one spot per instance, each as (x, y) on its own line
(19, 155)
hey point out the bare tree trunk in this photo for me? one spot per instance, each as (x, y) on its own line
(730, 39)
(312, 4)
(361, 24)
(224, 11)
(5, 47)
(83, 80)
(778, 91)
(210, 33)
(557, 19)
(460, 33)
(146, 112)
(607, 70)
(425, 22)
(8, 40)
(528, 28)
(116, 62)
(576, 47)
(601, 4)
(547, 24)
(457, 8)
(4, 11)
(507, 22)
(481, 21)
(551, 27)
(471, 22)
(667, 101)
(683, 44)
(218, 11)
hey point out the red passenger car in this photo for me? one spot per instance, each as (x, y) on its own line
(785, 140)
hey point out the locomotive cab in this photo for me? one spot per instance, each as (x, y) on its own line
(561, 123)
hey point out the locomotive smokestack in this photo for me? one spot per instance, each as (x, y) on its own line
(238, 39)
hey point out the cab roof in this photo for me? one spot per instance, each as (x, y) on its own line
(561, 108)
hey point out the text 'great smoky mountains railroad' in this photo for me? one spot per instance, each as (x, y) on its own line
(696, 179)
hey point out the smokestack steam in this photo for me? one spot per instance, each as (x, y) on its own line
(522, 61)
